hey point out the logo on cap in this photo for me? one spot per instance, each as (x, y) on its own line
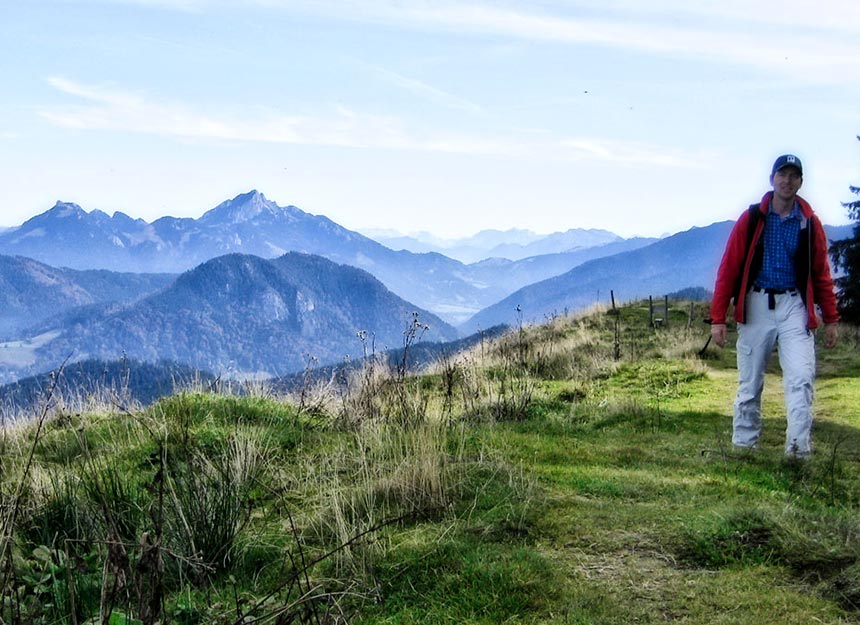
(787, 160)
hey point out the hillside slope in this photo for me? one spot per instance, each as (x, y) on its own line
(241, 316)
(31, 292)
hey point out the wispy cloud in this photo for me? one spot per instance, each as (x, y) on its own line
(817, 44)
(634, 153)
(423, 90)
(812, 55)
(100, 108)
(110, 109)
(828, 15)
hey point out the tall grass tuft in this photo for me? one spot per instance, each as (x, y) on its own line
(210, 501)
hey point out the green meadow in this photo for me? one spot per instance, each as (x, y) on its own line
(575, 472)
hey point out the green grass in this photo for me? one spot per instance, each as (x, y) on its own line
(545, 482)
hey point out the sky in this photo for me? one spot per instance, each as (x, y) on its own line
(642, 118)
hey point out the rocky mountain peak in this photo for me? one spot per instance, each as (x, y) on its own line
(66, 209)
(242, 208)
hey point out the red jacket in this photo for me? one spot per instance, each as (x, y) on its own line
(742, 262)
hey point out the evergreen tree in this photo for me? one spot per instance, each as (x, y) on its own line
(846, 257)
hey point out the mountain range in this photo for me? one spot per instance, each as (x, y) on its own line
(68, 236)
(237, 314)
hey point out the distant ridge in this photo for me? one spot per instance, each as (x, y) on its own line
(686, 259)
(31, 292)
(508, 244)
(241, 316)
(119, 381)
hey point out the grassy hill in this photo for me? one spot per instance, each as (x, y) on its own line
(574, 472)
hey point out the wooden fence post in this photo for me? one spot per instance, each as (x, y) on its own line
(666, 310)
(615, 313)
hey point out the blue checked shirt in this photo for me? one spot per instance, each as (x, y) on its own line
(780, 247)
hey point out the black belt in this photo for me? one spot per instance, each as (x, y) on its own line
(758, 289)
(771, 300)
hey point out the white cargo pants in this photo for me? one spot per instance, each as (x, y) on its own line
(784, 327)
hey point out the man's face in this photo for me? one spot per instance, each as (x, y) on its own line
(786, 182)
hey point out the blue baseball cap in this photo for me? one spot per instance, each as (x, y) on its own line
(787, 160)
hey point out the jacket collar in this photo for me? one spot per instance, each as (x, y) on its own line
(805, 208)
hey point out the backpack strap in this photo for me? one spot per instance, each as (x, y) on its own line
(755, 217)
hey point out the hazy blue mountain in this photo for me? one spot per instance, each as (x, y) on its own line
(239, 315)
(837, 233)
(68, 236)
(687, 259)
(520, 273)
(491, 237)
(570, 240)
(396, 241)
(511, 244)
(31, 292)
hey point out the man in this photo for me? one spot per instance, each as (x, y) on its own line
(776, 270)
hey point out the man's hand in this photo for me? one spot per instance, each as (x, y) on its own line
(719, 334)
(832, 336)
